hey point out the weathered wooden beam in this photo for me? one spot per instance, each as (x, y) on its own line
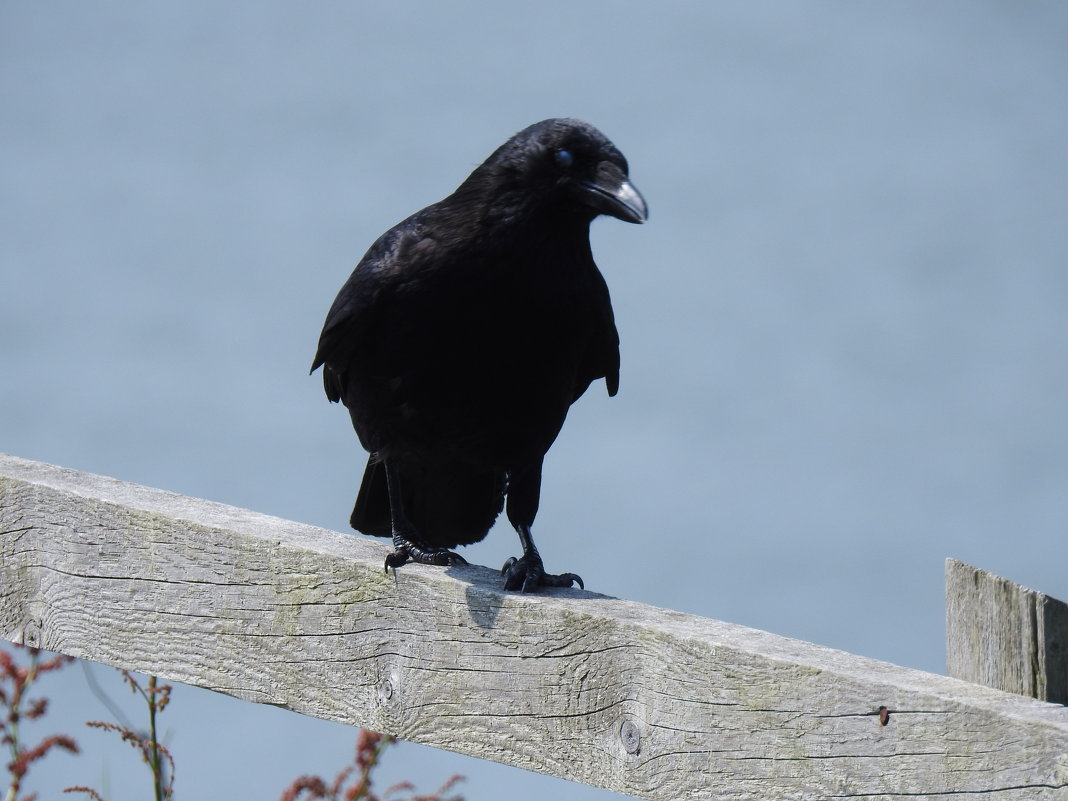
(644, 701)
(1005, 636)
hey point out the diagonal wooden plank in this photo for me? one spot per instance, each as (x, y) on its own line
(640, 700)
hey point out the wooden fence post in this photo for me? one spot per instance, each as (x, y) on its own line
(1005, 636)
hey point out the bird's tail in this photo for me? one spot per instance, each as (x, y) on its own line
(448, 505)
(371, 512)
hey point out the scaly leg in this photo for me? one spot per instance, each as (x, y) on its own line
(527, 573)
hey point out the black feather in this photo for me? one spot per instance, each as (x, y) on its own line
(467, 330)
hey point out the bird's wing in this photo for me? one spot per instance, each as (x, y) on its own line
(382, 269)
(602, 356)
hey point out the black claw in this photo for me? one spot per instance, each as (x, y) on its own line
(445, 558)
(408, 552)
(567, 579)
(397, 558)
(528, 575)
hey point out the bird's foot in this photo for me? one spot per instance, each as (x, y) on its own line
(406, 551)
(528, 573)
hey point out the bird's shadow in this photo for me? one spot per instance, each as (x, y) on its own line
(485, 594)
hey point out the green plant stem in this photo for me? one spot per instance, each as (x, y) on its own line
(157, 768)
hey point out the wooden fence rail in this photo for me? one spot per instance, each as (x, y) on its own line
(640, 700)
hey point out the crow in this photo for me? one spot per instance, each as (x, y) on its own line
(464, 335)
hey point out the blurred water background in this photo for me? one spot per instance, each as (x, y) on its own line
(845, 339)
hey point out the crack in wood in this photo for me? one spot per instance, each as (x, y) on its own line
(933, 793)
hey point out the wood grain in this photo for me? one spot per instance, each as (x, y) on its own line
(640, 700)
(1003, 635)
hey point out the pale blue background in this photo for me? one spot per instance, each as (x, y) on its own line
(845, 327)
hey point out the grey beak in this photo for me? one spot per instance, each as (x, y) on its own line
(612, 193)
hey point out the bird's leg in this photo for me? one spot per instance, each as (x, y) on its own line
(407, 546)
(527, 573)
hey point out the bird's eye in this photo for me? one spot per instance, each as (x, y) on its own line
(564, 158)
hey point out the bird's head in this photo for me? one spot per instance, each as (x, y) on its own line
(565, 165)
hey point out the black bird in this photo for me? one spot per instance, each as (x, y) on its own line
(464, 335)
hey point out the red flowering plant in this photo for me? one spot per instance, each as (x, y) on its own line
(16, 707)
(369, 748)
(153, 753)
